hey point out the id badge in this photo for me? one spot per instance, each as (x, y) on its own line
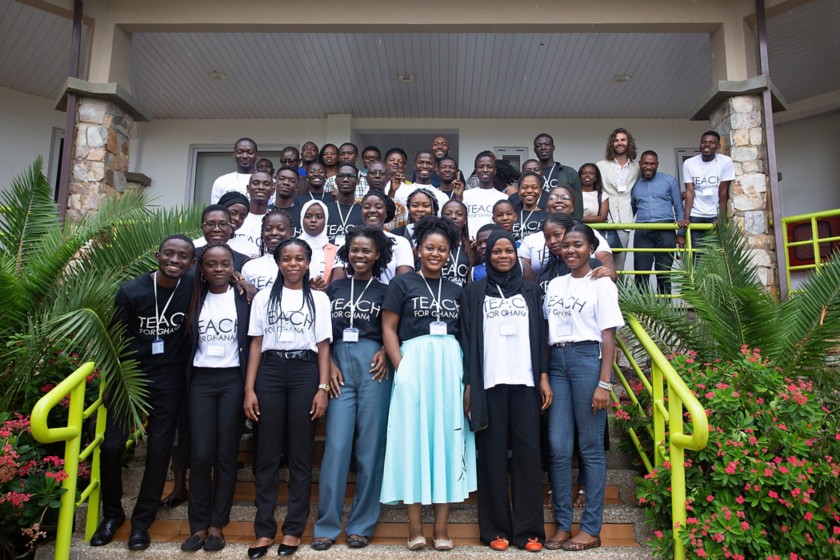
(339, 240)
(507, 330)
(351, 334)
(215, 351)
(287, 336)
(157, 346)
(437, 328)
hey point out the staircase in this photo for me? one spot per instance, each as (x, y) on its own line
(622, 534)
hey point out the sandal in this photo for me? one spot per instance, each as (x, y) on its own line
(357, 541)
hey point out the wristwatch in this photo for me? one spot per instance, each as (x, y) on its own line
(325, 387)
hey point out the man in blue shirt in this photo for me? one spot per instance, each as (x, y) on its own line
(656, 199)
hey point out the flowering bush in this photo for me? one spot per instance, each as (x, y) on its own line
(767, 484)
(30, 484)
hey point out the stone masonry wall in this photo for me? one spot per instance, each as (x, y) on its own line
(740, 122)
(100, 155)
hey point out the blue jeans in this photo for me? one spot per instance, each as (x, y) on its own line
(574, 374)
(359, 415)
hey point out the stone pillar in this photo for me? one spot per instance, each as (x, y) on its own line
(735, 110)
(105, 117)
(100, 155)
(739, 120)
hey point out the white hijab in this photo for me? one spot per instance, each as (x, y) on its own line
(315, 242)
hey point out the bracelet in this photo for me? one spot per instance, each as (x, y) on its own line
(325, 387)
(605, 385)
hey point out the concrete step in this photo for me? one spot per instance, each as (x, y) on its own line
(376, 551)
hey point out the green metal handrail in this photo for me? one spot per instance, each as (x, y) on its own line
(815, 240)
(71, 434)
(670, 411)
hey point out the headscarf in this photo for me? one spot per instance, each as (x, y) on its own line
(233, 197)
(509, 282)
(316, 242)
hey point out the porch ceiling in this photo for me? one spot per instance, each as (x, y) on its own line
(458, 75)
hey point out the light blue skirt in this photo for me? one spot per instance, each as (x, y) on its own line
(429, 449)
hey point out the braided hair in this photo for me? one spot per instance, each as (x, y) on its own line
(273, 211)
(200, 285)
(276, 296)
(429, 194)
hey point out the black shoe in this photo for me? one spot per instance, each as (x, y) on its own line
(287, 549)
(171, 502)
(259, 551)
(139, 539)
(194, 543)
(214, 543)
(106, 531)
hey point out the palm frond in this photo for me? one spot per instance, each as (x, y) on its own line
(29, 214)
(811, 324)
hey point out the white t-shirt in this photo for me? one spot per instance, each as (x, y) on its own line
(507, 346)
(479, 203)
(242, 244)
(292, 327)
(707, 176)
(534, 249)
(578, 309)
(402, 255)
(217, 329)
(406, 189)
(261, 272)
(230, 182)
(251, 232)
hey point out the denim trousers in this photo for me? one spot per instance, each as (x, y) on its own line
(358, 418)
(574, 374)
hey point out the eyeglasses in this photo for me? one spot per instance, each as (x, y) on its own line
(345, 175)
(554, 197)
(214, 225)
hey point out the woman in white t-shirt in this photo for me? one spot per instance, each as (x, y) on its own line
(286, 390)
(582, 315)
(506, 372)
(276, 228)
(217, 328)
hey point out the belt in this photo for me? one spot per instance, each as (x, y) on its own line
(302, 355)
(579, 343)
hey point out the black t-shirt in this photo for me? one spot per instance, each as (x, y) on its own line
(294, 213)
(410, 298)
(135, 305)
(342, 216)
(326, 198)
(528, 223)
(457, 266)
(368, 314)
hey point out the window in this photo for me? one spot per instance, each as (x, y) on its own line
(209, 161)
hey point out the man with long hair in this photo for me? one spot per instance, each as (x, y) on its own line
(619, 172)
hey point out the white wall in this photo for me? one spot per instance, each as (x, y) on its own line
(161, 149)
(26, 126)
(807, 152)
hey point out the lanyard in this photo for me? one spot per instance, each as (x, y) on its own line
(436, 302)
(312, 197)
(341, 217)
(504, 299)
(455, 260)
(550, 173)
(353, 303)
(523, 220)
(159, 314)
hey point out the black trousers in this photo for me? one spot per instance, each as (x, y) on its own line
(181, 446)
(285, 389)
(655, 239)
(160, 432)
(215, 403)
(514, 423)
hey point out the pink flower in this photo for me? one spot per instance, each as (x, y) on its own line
(740, 499)
(658, 534)
(808, 516)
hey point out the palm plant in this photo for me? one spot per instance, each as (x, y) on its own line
(60, 283)
(728, 307)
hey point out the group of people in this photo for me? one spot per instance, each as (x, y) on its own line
(434, 323)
